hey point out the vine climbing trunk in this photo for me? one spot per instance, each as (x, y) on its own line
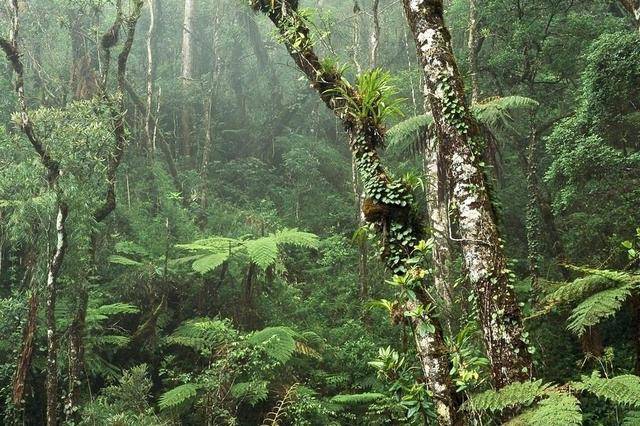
(461, 143)
(388, 203)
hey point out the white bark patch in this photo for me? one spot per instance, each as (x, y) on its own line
(427, 39)
(415, 5)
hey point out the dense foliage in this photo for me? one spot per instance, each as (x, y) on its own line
(255, 268)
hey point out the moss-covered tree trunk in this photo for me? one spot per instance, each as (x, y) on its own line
(461, 147)
(388, 203)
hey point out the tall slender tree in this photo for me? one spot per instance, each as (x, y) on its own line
(461, 144)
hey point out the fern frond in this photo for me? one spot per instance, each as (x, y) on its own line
(578, 289)
(274, 416)
(623, 390)
(410, 135)
(621, 277)
(632, 418)
(496, 113)
(294, 237)
(278, 342)
(252, 392)
(212, 245)
(263, 251)
(178, 396)
(105, 311)
(200, 334)
(122, 260)
(357, 399)
(558, 408)
(513, 395)
(209, 262)
(596, 308)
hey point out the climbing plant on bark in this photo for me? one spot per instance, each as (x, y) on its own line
(461, 143)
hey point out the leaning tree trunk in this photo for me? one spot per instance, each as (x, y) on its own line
(461, 144)
(388, 206)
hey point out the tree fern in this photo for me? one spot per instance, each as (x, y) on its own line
(294, 237)
(263, 251)
(514, 395)
(178, 396)
(278, 342)
(578, 289)
(596, 308)
(209, 262)
(623, 390)
(558, 408)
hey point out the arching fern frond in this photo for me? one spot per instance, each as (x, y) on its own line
(278, 342)
(578, 289)
(202, 334)
(274, 417)
(497, 113)
(558, 408)
(623, 390)
(410, 135)
(519, 394)
(597, 307)
(178, 396)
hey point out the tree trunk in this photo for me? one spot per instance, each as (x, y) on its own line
(52, 339)
(532, 218)
(76, 353)
(633, 8)
(473, 45)
(388, 206)
(436, 196)
(151, 44)
(460, 140)
(28, 335)
(374, 39)
(187, 75)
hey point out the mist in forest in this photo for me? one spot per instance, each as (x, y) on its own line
(283, 212)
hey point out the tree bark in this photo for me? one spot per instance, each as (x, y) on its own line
(151, 45)
(388, 206)
(633, 8)
(374, 39)
(473, 45)
(187, 74)
(460, 140)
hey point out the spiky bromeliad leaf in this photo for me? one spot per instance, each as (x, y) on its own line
(558, 408)
(513, 395)
(357, 399)
(178, 396)
(252, 392)
(596, 308)
(623, 390)
(278, 342)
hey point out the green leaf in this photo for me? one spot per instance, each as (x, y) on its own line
(209, 262)
(178, 396)
(624, 389)
(278, 342)
(263, 251)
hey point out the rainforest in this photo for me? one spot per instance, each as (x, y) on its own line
(320, 212)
